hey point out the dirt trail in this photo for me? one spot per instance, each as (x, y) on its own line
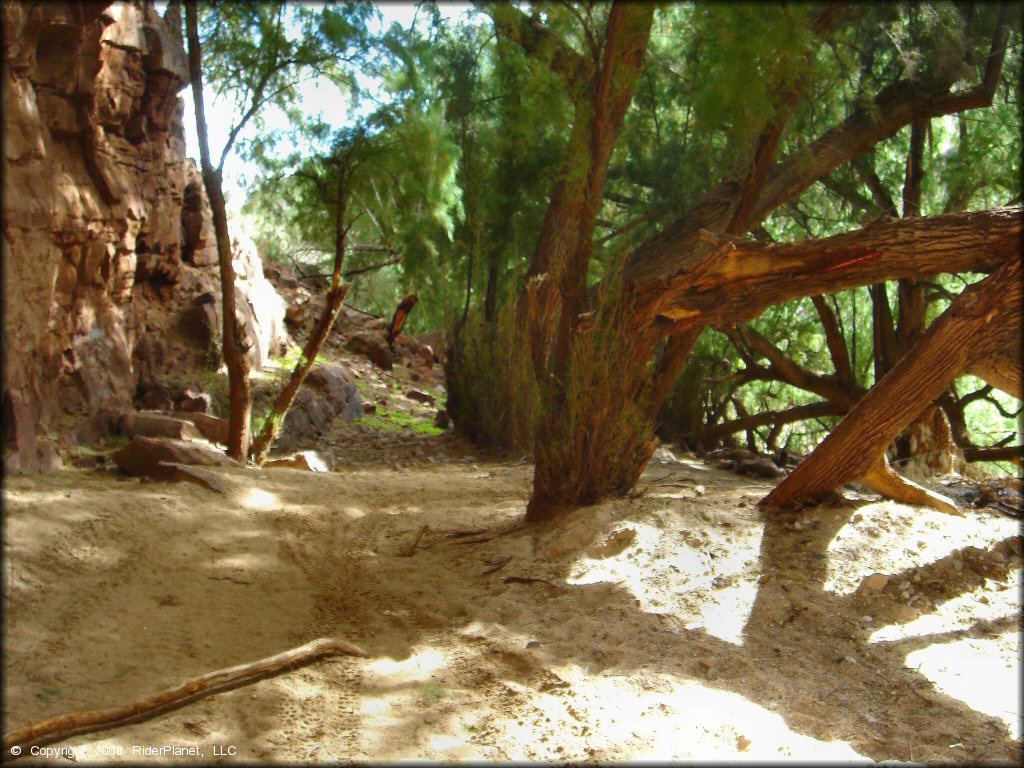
(677, 625)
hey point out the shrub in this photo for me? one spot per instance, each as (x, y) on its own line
(492, 395)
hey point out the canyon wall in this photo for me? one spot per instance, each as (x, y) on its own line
(109, 265)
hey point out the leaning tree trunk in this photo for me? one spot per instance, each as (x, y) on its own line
(335, 296)
(233, 349)
(855, 448)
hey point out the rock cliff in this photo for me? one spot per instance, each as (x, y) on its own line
(108, 256)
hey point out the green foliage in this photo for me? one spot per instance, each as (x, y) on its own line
(452, 166)
(753, 54)
(492, 395)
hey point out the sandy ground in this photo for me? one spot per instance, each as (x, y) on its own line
(678, 625)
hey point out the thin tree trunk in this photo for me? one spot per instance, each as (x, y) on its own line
(788, 416)
(286, 396)
(335, 296)
(233, 349)
(963, 331)
(834, 338)
(398, 319)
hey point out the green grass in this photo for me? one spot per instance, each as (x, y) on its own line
(432, 693)
(396, 421)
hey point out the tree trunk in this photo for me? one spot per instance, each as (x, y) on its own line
(234, 352)
(738, 280)
(398, 319)
(962, 332)
(283, 401)
(556, 280)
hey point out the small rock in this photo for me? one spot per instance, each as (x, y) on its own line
(867, 619)
(420, 397)
(308, 461)
(876, 582)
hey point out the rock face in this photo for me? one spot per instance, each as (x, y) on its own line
(110, 272)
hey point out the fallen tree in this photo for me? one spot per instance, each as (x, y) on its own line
(968, 330)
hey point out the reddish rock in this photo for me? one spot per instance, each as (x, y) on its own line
(156, 424)
(420, 397)
(157, 457)
(373, 347)
(193, 401)
(308, 461)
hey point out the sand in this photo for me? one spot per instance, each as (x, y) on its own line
(682, 624)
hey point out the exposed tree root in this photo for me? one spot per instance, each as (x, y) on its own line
(882, 478)
(65, 726)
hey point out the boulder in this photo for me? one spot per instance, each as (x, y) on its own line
(325, 394)
(420, 397)
(193, 400)
(435, 341)
(93, 430)
(209, 427)
(160, 459)
(156, 424)
(372, 347)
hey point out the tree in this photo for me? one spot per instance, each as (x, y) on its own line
(253, 51)
(234, 354)
(970, 330)
(689, 274)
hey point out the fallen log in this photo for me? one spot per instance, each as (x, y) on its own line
(968, 330)
(65, 726)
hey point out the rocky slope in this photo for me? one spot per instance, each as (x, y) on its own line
(109, 265)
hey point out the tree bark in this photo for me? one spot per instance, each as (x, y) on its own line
(962, 332)
(740, 279)
(398, 319)
(763, 419)
(233, 349)
(556, 279)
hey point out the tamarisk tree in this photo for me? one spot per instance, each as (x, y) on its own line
(698, 270)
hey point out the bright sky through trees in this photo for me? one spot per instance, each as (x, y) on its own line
(318, 96)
